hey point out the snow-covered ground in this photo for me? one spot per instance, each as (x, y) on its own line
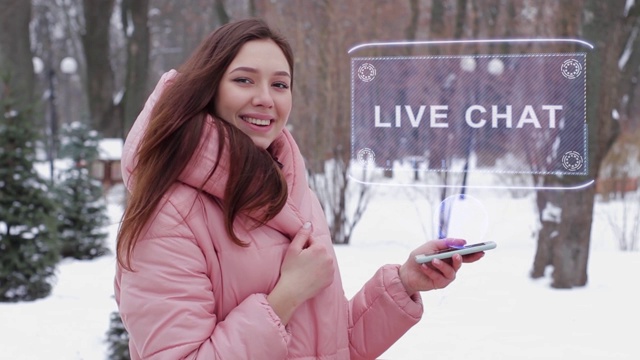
(492, 311)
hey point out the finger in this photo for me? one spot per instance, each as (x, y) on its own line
(456, 262)
(432, 273)
(434, 276)
(444, 268)
(302, 237)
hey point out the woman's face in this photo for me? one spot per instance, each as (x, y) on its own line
(255, 92)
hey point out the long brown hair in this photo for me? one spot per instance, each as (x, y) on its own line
(176, 126)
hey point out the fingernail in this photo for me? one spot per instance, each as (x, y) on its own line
(306, 225)
(455, 243)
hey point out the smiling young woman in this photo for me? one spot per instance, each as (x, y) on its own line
(224, 251)
(255, 92)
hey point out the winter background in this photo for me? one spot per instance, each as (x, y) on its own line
(493, 310)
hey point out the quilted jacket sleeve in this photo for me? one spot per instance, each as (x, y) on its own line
(380, 313)
(167, 303)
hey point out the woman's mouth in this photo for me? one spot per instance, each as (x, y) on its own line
(254, 121)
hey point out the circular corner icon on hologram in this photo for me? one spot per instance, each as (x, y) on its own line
(366, 157)
(366, 72)
(572, 160)
(571, 69)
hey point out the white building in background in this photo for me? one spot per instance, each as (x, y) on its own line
(107, 167)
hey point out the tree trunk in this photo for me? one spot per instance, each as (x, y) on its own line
(15, 51)
(138, 47)
(100, 77)
(223, 15)
(564, 241)
(547, 234)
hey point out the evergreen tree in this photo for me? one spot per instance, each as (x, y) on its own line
(83, 211)
(117, 339)
(29, 248)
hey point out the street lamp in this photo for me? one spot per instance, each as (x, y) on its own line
(467, 65)
(495, 67)
(68, 66)
(39, 68)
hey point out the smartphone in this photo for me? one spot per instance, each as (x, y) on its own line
(462, 250)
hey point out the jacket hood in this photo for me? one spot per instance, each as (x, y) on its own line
(284, 148)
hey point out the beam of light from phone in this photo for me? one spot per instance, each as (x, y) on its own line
(462, 217)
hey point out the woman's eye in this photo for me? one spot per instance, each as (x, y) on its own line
(281, 85)
(242, 80)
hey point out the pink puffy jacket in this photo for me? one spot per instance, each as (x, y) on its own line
(194, 294)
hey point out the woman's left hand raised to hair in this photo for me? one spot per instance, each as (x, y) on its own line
(437, 274)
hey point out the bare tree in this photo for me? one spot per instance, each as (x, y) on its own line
(100, 75)
(136, 31)
(618, 186)
(329, 164)
(565, 238)
(221, 10)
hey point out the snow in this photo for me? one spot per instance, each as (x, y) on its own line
(628, 49)
(110, 149)
(131, 24)
(627, 6)
(59, 165)
(552, 213)
(492, 311)
(117, 98)
(615, 114)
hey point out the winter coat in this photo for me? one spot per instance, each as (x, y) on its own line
(195, 294)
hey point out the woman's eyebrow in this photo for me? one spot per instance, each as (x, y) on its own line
(253, 70)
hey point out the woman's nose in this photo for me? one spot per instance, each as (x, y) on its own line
(263, 97)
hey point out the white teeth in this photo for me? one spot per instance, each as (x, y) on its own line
(256, 121)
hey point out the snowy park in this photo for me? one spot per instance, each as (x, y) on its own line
(493, 310)
(514, 122)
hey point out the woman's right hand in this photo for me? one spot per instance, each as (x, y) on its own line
(308, 268)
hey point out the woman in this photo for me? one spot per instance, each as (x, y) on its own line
(224, 251)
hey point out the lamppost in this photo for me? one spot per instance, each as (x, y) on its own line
(68, 66)
(468, 65)
(39, 68)
(495, 67)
